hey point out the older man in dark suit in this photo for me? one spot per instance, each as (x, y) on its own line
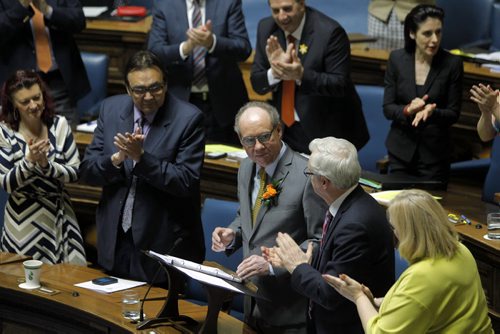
(293, 208)
(147, 154)
(201, 43)
(59, 63)
(357, 240)
(303, 58)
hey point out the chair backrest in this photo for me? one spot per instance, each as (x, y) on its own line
(400, 264)
(96, 65)
(378, 126)
(492, 180)
(466, 22)
(495, 28)
(217, 213)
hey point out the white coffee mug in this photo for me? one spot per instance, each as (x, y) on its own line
(32, 270)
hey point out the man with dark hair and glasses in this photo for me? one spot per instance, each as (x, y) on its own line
(274, 196)
(147, 154)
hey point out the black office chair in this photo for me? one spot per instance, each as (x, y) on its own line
(216, 213)
(96, 65)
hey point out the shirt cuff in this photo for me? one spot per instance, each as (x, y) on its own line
(271, 79)
(183, 56)
(213, 44)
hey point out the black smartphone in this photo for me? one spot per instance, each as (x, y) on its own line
(104, 280)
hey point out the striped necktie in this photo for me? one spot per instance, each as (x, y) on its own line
(42, 46)
(262, 187)
(128, 208)
(288, 96)
(199, 52)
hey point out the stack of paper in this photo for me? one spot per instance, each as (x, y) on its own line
(122, 284)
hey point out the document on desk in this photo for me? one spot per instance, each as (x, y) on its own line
(94, 11)
(122, 284)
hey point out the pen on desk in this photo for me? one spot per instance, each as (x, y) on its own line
(465, 220)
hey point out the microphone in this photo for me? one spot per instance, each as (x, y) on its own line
(141, 311)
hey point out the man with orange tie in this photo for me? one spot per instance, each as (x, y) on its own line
(38, 35)
(293, 207)
(303, 57)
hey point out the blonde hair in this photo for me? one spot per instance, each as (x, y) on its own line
(422, 226)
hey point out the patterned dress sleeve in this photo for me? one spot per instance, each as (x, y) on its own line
(64, 159)
(15, 170)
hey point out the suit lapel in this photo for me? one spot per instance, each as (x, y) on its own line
(158, 128)
(210, 10)
(247, 175)
(126, 124)
(409, 73)
(307, 37)
(433, 72)
(281, 172)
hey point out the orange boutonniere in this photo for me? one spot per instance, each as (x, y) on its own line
(270, 196)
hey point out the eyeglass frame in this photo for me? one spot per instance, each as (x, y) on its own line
(154, 89)
(308, 173)
(263, 138)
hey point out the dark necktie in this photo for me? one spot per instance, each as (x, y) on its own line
(288, 96)
(326, 223)
(199, 52)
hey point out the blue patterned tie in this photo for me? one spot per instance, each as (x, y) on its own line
(128, 208)
(199, 52)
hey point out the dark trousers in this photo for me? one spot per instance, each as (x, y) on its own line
(214, 131)
(296, 138)
(63, 104)
(438, 171)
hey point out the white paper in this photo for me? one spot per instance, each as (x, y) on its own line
(94, 11)
(87, 127)
(122, 284)
(181, 263)
(209, 279)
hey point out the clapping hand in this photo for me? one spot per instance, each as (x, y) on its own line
(37, 151)
(485, 97)
(130, 144)
(421, 109)
(289, 252)
(253, 265)
(346, 286)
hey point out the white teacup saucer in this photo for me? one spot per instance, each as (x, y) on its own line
(28, 287)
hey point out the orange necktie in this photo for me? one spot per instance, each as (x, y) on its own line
(42, 47)
(288, 97)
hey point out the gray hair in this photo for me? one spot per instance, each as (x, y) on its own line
(336, 159)
(272, 112)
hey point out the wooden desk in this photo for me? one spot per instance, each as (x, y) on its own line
(120, 40)
(368, 68)
(89, 312)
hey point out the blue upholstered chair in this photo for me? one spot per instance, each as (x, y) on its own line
(378, 126)
(96, 65)
(492, 180)
(216, 213)
(466, 23)
(400, 264)
(495, 28)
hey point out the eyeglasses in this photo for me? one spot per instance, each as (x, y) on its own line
(308, 173)
(155, 88)
(250, 141)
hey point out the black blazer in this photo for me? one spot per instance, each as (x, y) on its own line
(18, 49)
(359, 243)
(227, 90)
(326, 101)
(443, 85)
(167, 199)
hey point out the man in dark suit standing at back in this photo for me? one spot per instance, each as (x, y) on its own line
(303, 57)
(147, 153)
(38, 35)
(201, 43)
(357, 240)
(294, 208)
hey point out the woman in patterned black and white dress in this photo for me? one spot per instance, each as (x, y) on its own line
(37, 156)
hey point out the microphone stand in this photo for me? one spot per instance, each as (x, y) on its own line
(169, 314)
